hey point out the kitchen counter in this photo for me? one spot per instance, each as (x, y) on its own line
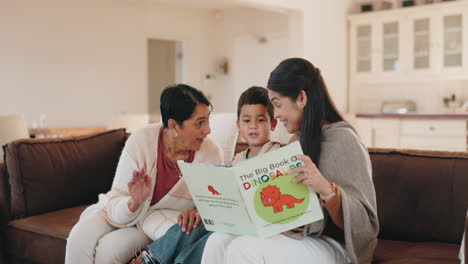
(435, 131)
(63, 132)
(446, 116)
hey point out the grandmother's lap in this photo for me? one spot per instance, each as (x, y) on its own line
(93, 240)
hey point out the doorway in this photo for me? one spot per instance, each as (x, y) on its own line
(255, 58)
(165, 67)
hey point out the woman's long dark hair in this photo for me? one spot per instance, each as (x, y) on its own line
(291, 77)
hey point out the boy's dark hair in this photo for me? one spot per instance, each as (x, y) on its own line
(255, 95)
(178, 102)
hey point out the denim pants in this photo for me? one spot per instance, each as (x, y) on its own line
(177, 247)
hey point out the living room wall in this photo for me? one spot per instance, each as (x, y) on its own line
(80, 62)
(230, 26)
(324, 39)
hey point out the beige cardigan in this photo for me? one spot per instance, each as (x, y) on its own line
(141, 151)
(345, 161)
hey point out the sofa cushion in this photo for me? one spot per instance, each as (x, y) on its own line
(4, 196)
(400, 252)
(52, 174)
(32, 238)
(420, 198)
(224, 132)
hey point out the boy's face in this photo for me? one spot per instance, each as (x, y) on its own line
(255, 124)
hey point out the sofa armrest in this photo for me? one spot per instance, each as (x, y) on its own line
(466, 239)
(4, 196)
(4, 208)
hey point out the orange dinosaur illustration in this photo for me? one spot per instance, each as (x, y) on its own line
(212, 190)
(271, 196)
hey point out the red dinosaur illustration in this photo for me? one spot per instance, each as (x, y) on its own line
(271, 196)
(212, 190)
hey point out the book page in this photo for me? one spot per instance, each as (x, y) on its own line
(275, 203)
(217, 198)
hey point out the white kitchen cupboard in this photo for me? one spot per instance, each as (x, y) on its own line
(381, 133)
(422, 42)
(431, 134)
(392, 62)
(363, 49)
(454, 51)
(422, 48)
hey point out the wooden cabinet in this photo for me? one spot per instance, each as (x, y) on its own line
(385, 133)
(362, 48)
(381, 133)
(421, 52)
(431, 134)
(413, 43)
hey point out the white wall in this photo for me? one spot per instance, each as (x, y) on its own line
(326, 45)
(194, 27)
(79, 62)
(233, 27)
(324, 39)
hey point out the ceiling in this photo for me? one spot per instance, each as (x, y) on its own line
(211, 4)
(223, 4)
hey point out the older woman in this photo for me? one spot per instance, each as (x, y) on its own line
(337, 167)
(147, 193)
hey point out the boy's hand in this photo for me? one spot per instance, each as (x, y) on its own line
(188, 220)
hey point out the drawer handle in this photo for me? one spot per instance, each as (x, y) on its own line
(431, 128)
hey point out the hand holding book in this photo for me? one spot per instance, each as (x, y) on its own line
(310, 175)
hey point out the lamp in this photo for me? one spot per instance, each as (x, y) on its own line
(12, 127)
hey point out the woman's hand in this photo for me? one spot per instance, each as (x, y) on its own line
(188, 220)
(139, 188)
(310, 175)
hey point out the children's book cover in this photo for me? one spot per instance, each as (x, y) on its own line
(255, 197)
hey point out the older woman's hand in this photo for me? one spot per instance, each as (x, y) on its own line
(139, 188)
(189, 220)
(310, 175)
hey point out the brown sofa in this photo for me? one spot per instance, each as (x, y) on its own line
(421, 196)
(45, 187)
(422, 201)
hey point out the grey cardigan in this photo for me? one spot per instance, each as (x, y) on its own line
(345, 161)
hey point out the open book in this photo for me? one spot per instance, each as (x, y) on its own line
(255, 197)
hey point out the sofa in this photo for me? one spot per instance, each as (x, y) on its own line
(45, 184)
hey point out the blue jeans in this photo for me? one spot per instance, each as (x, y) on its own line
(177, 247)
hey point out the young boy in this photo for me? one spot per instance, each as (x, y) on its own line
(255, 120)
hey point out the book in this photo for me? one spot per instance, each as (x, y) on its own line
(254, 197)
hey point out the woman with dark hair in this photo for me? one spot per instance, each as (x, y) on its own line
(147, 193)
(337, 167)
